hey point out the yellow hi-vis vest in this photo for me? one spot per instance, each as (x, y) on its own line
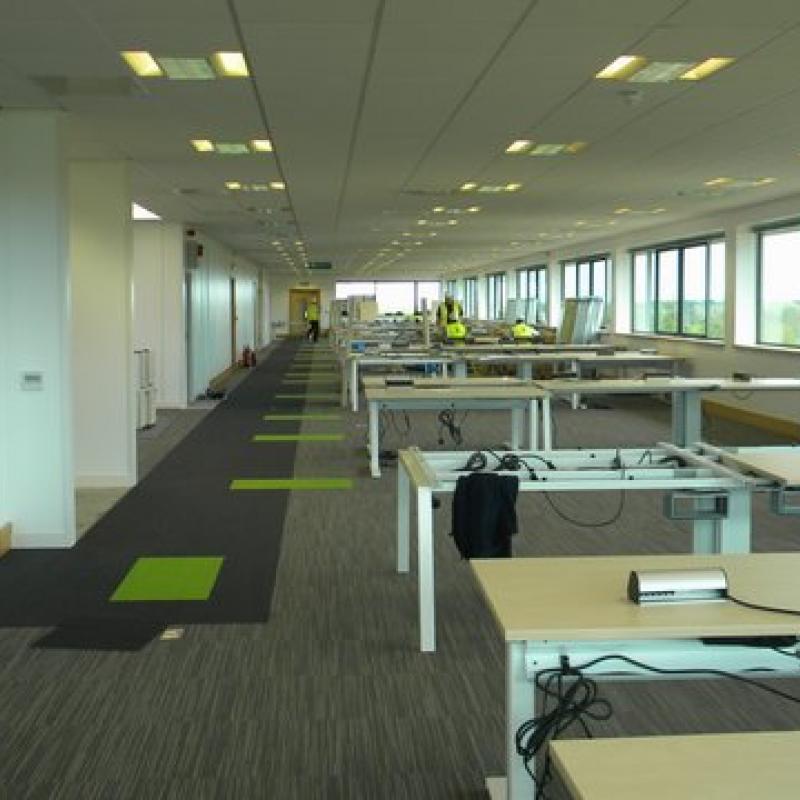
(522, 331)
(455, 330)
(443, 312)
(312, 312)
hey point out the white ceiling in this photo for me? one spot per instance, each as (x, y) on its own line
(381, 109)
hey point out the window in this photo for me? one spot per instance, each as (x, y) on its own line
(496, 295)
(471, 297)
(588, 276)
(346, 289)
(532, 286)
(429, 291)
(393, 297)
(679, 289)
(778, 287)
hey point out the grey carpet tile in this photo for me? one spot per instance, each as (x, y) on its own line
(331, 698)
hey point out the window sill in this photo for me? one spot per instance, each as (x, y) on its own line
(665, 338)
(770, 348)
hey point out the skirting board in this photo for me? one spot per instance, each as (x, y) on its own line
(766, 422)
(45, 541)
(5, 539)
(104, 481)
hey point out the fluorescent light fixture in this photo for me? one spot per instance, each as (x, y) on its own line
(278, 186)
(519, 146)
(259, 187)
(718, 181)
(469, 186)
(763, 181)
(513, 187)
(142, 63)
(548, 149)
(491, 188)
(203, 145)
(234, 186)
(576, 147)
(141, 213)
(422, 222)
(438, 210)
(706, 68)
(187, 69)
(232, 148)
(473, 209)
(261, 145)
(452, 222)
(230, 65)
(660, 72)
(623, 210)
(621, 68)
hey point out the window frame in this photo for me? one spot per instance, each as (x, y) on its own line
(534, 275)
(786, 226)
(495, 280)
(590, 261)
(680, 246)
(470, 303)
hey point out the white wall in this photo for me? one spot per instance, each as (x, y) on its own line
(102, 368)
(738, 352)
(158, 307)
(36, 465)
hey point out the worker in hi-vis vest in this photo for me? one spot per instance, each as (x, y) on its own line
(312, 317)
(455, 330)
(448, 308)
(522, 330)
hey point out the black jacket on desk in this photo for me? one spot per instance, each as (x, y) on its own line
(484, 514)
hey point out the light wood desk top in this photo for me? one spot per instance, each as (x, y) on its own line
(627, 385)
(526, 391)
(734, 766)
(783, 467)
(379, 381)
(585, 598)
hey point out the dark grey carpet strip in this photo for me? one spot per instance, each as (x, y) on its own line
(182, 508)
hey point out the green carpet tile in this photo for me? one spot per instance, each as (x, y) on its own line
(178, 578)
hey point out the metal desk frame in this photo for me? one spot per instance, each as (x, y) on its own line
(577, 470)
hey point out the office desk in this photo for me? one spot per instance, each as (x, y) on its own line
(351, 363)
(703, 484)
(549, 608)
(579, 361)
(728, 766)
(461, 395)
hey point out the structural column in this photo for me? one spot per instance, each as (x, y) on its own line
(36, 455)
(102, 325)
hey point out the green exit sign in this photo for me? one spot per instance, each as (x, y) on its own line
(320, 265)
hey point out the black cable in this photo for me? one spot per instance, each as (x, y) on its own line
(747, 604)
(719, 673)
(587, 524)
(447, 421)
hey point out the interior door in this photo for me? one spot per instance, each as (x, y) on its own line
(298, 300)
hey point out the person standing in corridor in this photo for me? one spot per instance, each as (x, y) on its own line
(312, 317)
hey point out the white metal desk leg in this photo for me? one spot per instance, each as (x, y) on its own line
(692, 418)
(575, 366)
(734, 532)
(354, 384)
(547, 424)
(517, 424)
(403, 518)
(374, 439)
(520, 707)
(533, 424)
(525, 370)
(425, 570)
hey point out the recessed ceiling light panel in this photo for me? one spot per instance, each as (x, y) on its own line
(621, 68)
(230, 65)
(187, 69)
(142, 63)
